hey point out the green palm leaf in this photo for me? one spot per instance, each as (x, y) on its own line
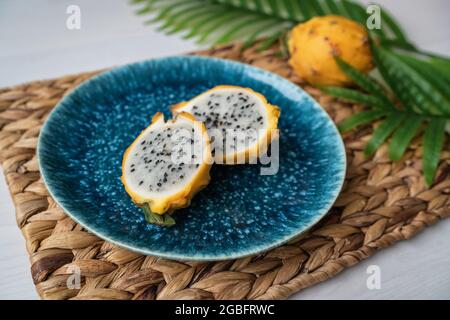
(269, 8)
(356, 96)
(419, 75)
(420, 85)
(292, 10)
(331, 6)
(266, 43)
(441, 65)
(233, 29)
(200, 24)
(188, 19)
(396, 43)
(260, 29)
(165, 220)
(360, 119)
(190, 15)
(389, 22)
(383, 131)
(433, 141)
(365, 82)
(182, 17)
(411, 88)
(168, 9)
(403, 136)
(220, 24)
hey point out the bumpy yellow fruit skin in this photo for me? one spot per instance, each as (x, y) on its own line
(313, 45)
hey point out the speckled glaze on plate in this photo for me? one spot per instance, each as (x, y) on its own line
(240, 213)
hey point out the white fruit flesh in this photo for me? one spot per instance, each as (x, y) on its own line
(166, 162)
(239, 116)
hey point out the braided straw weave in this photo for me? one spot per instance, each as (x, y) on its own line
(382, 202)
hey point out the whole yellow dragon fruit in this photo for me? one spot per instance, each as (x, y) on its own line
(313, 45)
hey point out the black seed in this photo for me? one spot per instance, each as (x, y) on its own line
(143, 141)
(132, 170)
(159, 184)
(141, 182)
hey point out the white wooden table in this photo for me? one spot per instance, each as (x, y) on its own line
(35, 44)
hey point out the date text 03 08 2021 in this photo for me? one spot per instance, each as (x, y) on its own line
(245, 309)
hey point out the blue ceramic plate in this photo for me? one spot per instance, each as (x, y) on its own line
(240, 212)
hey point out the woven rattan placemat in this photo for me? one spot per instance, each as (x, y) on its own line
(382, 202)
